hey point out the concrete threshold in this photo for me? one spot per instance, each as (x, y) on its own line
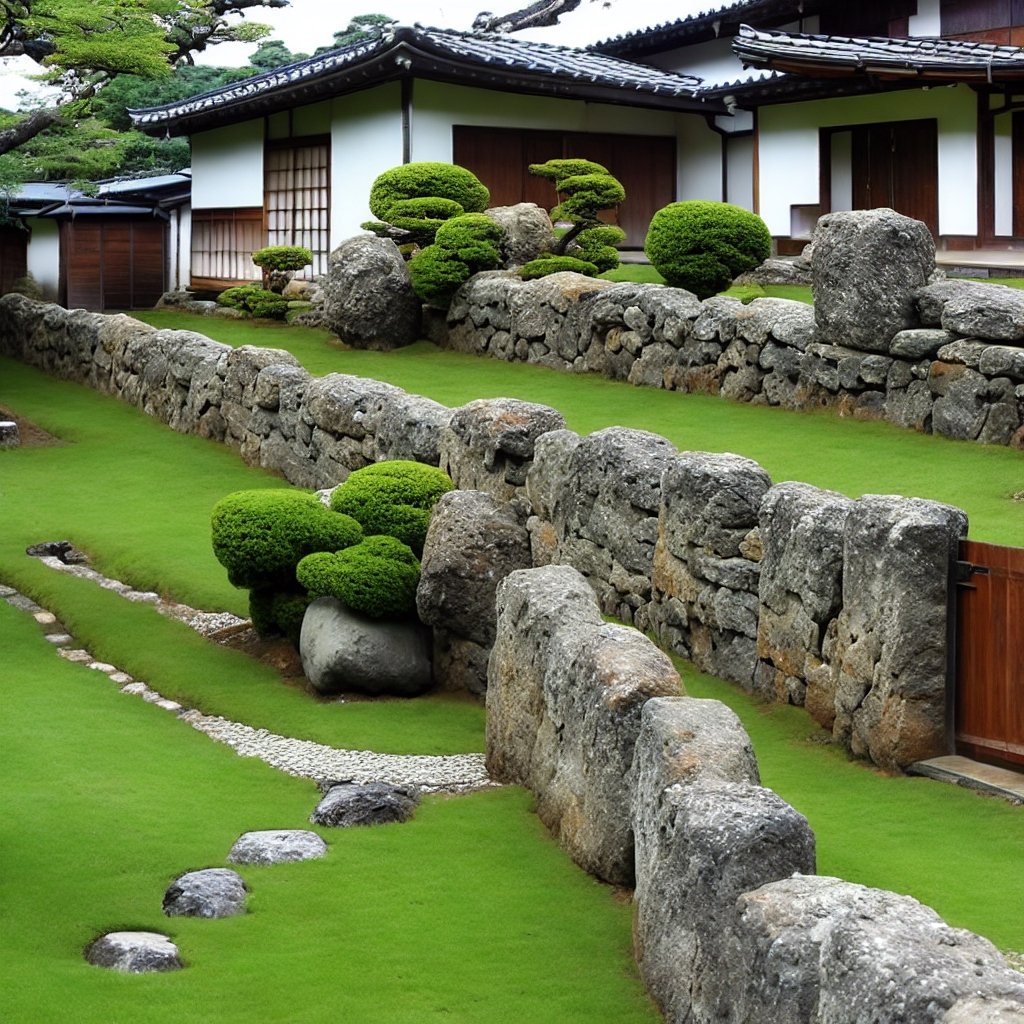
(985, 778)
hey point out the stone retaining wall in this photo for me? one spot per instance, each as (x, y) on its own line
(885, 338)
(645, 787)
(795, 592)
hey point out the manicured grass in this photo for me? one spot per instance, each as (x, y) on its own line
(953, 849)
(468, 913)
(819, 448)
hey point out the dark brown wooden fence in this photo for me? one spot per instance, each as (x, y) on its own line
(990, 653)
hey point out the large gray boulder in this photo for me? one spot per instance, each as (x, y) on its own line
(277, 846)
(867, 266)
(821, 949)
(565, 692)
(134, 952)
(526, 232)
(368, 299)
(473, 543)
(211, 892)
(354, 805)
(342, 650)
(889, 657)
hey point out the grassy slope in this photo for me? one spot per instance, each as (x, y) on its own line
(819, 448)
(467, 913)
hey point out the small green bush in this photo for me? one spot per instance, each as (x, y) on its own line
(585, 194)
(463, 246)
(255, 300)
(426, 180)
(376, 577)
(598, 246)
(545, 265)
(283, 257)
(259, 536)
(277, 612)
(702, 246)
(422, 216)
(394, 498)
(559, 169)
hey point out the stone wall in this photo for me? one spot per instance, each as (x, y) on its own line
(794, 592)
(645, 787)
(885, 339)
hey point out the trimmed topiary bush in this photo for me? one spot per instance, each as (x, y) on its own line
(255, 300)
(282, 257)
(260, 536)
(394, 498)
(463, 246)
(543, 266)
(702, 246)
(377, 577)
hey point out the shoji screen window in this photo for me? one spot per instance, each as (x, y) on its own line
(298, 176)
(223, 242)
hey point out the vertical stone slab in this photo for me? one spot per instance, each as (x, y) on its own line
(800, 591)
(889, 660)
(706, 833)
(704, 601)
(866, 266)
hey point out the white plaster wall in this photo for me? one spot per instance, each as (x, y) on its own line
(179, 247)
(314, 119)
(43, 256)
(740, 179)
(788, 150)
(927, 21)
(366, 138)
(227, 167)
(842, 171)
(1003, 176)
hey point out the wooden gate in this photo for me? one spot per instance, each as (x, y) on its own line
(990, 653)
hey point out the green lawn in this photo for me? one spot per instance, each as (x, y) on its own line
(469, 913)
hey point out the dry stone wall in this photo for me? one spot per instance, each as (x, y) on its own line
(886, 337)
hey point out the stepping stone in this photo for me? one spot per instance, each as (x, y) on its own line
(134, 952)
(212, 892)
(277, 846)
(347, 804)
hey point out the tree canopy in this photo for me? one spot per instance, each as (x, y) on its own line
(81, 45)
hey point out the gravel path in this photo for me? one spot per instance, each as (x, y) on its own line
(455, 773)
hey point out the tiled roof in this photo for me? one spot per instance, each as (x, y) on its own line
(486, 60)
(931, 59)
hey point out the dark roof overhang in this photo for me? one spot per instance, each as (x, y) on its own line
(484, 61)
(881, 60)
(723, 21)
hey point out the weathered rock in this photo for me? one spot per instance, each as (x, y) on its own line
(826, 950)
(867, 267)
(134, 952)
(10, 436)
(932, 298)
(919, 342)
(889, 661)
(488, 444)
(211, 892)
(562, 677)
(277, 846)
(350, 804)
(800, 587)
(367, 295)
(993, 312)
(526, 232)
(342, 650)
(410, 427)
(474, 541)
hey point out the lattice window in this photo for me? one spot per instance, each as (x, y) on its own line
(223, 242)
(297, 199)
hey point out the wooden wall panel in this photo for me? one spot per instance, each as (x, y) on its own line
(13, 256)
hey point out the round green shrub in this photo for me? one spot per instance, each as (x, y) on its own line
(255, 300)
(436, 275)
(545, 265)
(394, 498)
(259, 536)
(376, 577)
(419, 180)
(424, 215)
(283, 257)
(560, 169)
(463, 246)
(702, 246)
(597, 246)
(586, 193)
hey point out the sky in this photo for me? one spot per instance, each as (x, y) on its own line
(306, 24)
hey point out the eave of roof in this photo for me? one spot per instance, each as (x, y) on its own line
(879, 58)
(485, 61)
(721, 21)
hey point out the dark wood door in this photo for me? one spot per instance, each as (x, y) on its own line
(990, 653)
(500, 158)
(112, 264)
(897, 165)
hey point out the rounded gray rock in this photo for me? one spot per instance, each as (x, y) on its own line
(134, 952)
(350, 804)
(342, 651)
(277, 846)
(211, 892)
